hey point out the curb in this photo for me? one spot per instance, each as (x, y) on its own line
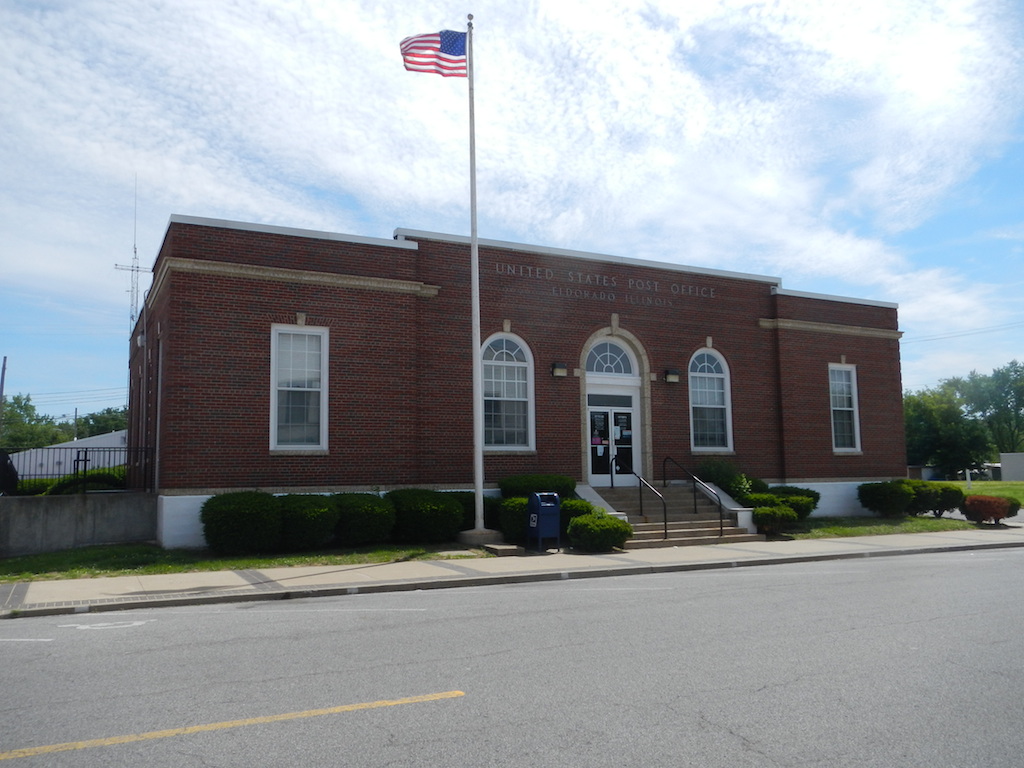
(158, 601)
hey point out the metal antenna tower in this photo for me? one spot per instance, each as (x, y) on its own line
(134, 268)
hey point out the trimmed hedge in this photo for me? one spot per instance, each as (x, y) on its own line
(772, 521)
(888, 499)
(599, 532)
(572, 508)
(980, 509)
(896, 498)
(950, 498)
(524, 485)
(242, 523)
(793, 490)
(512, 516)
(802, 505)
(425, 517)
(307, 521)
(35, 486)
(363, 518)
(512, 520)
(93, 480)
(721, 472)
(467, 499)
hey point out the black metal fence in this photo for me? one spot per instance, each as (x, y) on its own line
(71, 462)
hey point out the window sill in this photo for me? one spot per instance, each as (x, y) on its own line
(299, 452)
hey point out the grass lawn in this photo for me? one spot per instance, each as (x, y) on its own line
(992, 488)
(834, 527)
(829, 527)
(143, 559)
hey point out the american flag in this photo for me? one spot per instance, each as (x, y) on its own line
(441, 52)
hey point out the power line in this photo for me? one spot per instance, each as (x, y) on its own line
(958, 334)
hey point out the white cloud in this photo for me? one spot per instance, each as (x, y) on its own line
(784, 137)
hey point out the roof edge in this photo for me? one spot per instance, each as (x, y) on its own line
(780, 291)
(200, 221)
(402, 233)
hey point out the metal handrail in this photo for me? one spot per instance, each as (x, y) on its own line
(664, 504)
(695, 481)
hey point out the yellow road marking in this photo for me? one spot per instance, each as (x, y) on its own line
(73, 745)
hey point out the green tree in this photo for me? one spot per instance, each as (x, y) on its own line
(998, 400)
(24, 428)
(940, 433)
(102, 422)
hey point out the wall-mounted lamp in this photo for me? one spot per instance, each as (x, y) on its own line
(559, 369)
(672, 375)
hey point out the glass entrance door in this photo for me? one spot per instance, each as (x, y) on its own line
(612, 440)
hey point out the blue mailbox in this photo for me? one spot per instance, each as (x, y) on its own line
(543, 518)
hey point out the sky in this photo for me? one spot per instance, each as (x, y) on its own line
(871, 149)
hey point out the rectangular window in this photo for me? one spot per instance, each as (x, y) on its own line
(506, 401)
(298, 392)
(845, 420)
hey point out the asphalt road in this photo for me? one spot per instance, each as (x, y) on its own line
(899, 661)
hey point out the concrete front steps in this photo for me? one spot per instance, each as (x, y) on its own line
(686, 527)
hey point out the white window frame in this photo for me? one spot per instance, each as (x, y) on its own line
(277, 330)
(531, 432)
(854, 407)
(726, 379)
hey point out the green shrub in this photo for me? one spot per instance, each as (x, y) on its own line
(425, 517)
(936, 498)
(570, 508)
(93, 480)
(772, 521)
(598, 532)
(242, 523)
(363, 518)
(950, 498)
(513, 512)
(35, 486)
(307, 521)
(467, 499)
(925, 498)
(524, 485)
(793, 490)
(512, 520)
(757, 485)
(1014, 506)
(762, 500)
(721, 472)
(802, 505)
(888, 499)
(739, 487)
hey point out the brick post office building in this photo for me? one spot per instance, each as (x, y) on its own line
(300, 361)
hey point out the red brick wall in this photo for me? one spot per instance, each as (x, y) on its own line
(400, 364)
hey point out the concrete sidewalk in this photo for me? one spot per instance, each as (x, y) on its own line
(47, 598)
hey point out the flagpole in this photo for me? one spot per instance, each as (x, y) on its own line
(474, 259)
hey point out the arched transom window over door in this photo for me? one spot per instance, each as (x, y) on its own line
(609, 358)
(506, 384)
(710, 402)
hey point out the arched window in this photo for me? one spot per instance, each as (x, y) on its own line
(710, 402)
(507, 383)
(609, 358)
